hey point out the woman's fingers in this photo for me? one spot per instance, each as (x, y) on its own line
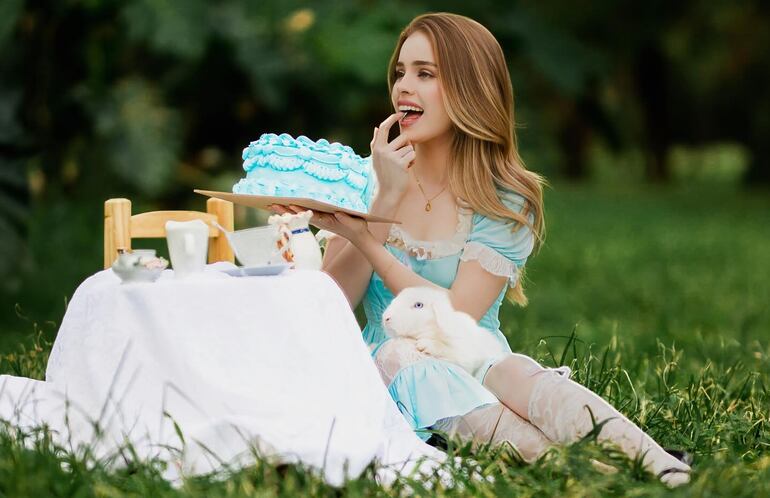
(344, 219)
(382, 133)
(283, 209)
(408, 158)
(398, 142)
(325, 221)
(320, 222)
(278, 208)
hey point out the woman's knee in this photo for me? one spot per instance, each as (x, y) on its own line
(514, 368)
(511, 380)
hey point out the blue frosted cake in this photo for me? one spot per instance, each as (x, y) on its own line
(283, 166)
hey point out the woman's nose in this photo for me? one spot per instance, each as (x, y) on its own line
(404, 85)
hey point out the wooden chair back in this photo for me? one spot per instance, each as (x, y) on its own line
(120, 227)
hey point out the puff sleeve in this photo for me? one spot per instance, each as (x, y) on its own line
(496, 246)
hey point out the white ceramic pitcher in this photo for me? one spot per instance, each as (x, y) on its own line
(296, 241)
(188, 244)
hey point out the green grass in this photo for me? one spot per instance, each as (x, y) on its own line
(657, 298)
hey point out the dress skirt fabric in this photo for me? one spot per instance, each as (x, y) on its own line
(431, 390)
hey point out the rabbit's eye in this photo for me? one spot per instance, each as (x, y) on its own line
(418, 305)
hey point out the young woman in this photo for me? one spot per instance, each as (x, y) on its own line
(471, 214)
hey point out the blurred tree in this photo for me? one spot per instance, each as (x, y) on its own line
(685, 72)
(560, 72)
(146, 99)
(719, 55)
(14, 149)
(606, 48)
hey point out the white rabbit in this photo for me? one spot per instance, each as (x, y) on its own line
(426, 315)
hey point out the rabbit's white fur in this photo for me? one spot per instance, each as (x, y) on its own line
(426, 315)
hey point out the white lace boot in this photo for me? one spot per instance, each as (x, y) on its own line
(495, 424)
(560, 407)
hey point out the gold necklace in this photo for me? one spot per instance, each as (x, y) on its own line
(427, 201)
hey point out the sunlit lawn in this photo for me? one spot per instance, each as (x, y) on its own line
(667, 292)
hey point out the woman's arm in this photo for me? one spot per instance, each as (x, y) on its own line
(383, 207)
(347, 266)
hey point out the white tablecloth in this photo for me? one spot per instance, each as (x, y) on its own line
(273, 366)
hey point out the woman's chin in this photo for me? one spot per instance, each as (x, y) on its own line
(423, 136)
(414, 138)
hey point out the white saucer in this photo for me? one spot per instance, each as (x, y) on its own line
(258, 271)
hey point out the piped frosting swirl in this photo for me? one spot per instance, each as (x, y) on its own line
(280, 165)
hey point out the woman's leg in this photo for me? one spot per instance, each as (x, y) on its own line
(563, 410)
(492, 423)
(496, 424)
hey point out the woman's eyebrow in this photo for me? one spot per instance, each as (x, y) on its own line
(417, 63)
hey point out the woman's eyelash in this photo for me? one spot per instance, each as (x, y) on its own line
(400, 74)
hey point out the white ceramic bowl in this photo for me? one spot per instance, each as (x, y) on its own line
(139, 266)
(137, 274)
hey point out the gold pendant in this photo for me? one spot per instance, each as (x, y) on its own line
(427, 206)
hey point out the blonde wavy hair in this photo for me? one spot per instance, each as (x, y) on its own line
(478, 97)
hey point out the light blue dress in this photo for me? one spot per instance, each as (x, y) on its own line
(431, 389)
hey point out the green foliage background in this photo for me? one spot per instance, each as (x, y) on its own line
(148, 99)
(650, 119)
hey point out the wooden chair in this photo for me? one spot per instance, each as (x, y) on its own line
(120, 227)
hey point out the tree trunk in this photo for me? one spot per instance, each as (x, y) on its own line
(652, 77)
(573, 137)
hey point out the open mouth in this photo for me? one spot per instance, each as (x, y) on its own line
(411, 114)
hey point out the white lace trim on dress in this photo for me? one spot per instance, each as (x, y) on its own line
(492, 261)
(433, 249)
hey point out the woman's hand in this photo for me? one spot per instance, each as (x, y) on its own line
(352, 228)
(320, 220)
(391, 161)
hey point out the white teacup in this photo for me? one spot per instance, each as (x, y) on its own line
(188, 244)
(255, 246)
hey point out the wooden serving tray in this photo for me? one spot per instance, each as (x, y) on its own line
(262, 201)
